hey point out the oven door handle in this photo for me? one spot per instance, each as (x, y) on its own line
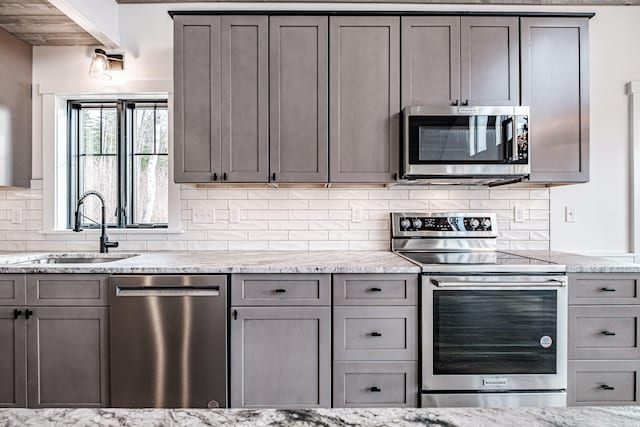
(551, 283)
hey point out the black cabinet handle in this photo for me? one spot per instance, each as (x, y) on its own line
(607, 333)
(280, 291)
(395, 176)
(235, 314)
(27, 313)
(215, 176)
(375, 389)
(608, 290)
(376, 334)
(455, 104)
(16, 313)
(607, 387)
(224, 176)
(375, 290)
(466, 102)
(273, 176)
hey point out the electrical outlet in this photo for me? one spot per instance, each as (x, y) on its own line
(16, 216)
(356, 214)
(234, 215)
(569, 214)
(518, 214)
(203, 215)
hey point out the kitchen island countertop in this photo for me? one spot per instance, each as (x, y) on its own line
(450, 417)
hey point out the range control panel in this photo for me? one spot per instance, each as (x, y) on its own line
(445, 223)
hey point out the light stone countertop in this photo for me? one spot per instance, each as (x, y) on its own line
(449, 417)
(222, 262)
(581, 263)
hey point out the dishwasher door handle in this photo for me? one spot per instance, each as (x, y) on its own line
(166, 291)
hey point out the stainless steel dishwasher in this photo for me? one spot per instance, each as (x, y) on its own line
(168, 341)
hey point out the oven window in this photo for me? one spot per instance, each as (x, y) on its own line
(494, 332)
(460, 139)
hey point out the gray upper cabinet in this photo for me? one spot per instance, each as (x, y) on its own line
(364, 98)
(67, 357)
(245, 103)
(221, 98)
(281, 357)
(299, 117)
(555, 84)
(13, 369)
(197, 108)
(449, 60)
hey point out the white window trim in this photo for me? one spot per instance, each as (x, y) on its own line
(54, 145)
(633, 90)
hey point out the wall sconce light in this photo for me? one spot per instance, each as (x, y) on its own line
(102, 64)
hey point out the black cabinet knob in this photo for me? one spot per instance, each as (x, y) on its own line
(375, 290)
(466, 102)
(376, 334)
(375, 389)
(27, 313)
(273, 176)
(224, 176)
(456, 103)
(215, 176)
(16, 313)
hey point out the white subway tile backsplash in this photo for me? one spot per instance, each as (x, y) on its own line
(290, 219)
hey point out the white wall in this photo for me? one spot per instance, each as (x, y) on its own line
(146, 37)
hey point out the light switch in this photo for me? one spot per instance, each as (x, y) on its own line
(569, 214)
(16, 216)
(356, 214)
(234, 215)
(518, 214)
(203, 215)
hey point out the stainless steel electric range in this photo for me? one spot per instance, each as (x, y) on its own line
(493, 324)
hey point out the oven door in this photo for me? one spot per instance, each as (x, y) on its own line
(494, 333)
(481, 141)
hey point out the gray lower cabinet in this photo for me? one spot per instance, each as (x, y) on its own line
(67, 360)
(604, 339)
(453, 60)
(280, 357)
(221, 98)
(54, 355)
(299, 116)
(364, 98)
(554, 57)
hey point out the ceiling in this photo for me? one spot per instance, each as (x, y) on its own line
(39, 23)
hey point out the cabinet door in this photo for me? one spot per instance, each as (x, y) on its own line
(197, 133)
(280, 357)
(364, 104)
(430, 60)
(555, 84)
(489, 61)
(13, 359)
(67, 357)
(245, 91)
(299, 118)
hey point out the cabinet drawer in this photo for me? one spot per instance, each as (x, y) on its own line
(12, 289)
(603, 289)
(605, 332)
(375, 289)
(375, 384)
(375, 333)
(603, 382)
(67, 289)
(280, 289)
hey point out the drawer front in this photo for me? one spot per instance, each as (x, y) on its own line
(604, 332)
(375, 384)
(280, 289)
(375, 289)
(603, 382)
(67, 290)
(12, 289)
(375, 333)
(604, 289)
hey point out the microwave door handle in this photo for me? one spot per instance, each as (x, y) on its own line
(552, 283)
(505, 136)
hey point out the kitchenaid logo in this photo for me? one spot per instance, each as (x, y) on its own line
(494, 382)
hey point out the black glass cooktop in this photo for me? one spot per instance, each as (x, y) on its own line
(472, 258)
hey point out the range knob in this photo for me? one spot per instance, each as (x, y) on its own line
(405, 223)
(474, 223)
(417, 223)
(486, 223)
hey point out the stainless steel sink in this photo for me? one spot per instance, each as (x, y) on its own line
(75, 259)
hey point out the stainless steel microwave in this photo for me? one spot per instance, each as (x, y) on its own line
(481, 143)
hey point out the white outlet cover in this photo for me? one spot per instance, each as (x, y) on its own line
(234, 215)
(356, 214)
(569, 214)
(203, 215)
(16, 216)
(518, 214)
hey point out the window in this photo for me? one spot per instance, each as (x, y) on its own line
(120, 149)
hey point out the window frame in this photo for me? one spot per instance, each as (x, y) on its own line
(124, 152)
